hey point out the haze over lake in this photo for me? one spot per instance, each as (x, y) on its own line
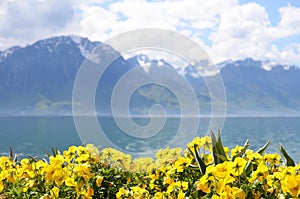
(36, 135)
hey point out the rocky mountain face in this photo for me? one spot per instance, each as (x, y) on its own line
(252, 88)
(39, 78)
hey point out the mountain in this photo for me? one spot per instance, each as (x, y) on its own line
(250, 88)
(39, 78)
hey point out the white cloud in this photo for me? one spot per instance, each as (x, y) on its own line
(289, 55)
(290, 20)
(225, 29)
(246, 31)
(170, 14)
(241, 32)
(96, 22)
(23, 21)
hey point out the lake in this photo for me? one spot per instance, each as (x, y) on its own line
(36, 135)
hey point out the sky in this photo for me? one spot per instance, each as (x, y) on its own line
(226, 29)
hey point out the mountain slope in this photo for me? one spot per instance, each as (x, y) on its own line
(42, 74)
(250, 88)
(39, 79)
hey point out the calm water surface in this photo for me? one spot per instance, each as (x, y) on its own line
(36, 135)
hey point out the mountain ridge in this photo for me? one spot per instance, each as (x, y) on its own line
(39, 78)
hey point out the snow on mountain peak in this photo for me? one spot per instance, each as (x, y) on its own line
(269, 65)
(76, 39)
(8, 52)
(144, 62)
(85, 46)
(224, 63)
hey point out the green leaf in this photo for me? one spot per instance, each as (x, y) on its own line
(263, 148)
(201, 165)
(200, 162)
(218, 149)
(222, 157)
(194, 167)
(289, 160)
(53, 151)
(248, 169)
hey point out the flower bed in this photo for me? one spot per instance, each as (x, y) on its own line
(205, 169)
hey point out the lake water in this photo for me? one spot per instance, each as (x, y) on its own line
(36, 135)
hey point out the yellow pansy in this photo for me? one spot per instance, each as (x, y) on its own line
(1, 186)
(99, 180)
(158, 195)
(236, 150)
(181, 195)
(238, 166)
(272, 159)
(70, 182)
(55, 192)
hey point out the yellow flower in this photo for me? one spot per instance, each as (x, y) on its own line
(291, 184)
(210, 169)
(158, 195)
(94, 152)
(83, 170)
(226, 149)
(83, 158)
(207, 180)
(28, 185)
(11, 177)
(167, 156)
(236, 150)
(238, 193)
(184, 185)
(1, 186)
(195, 144)
(272, 180)
(206, 143)
(181, 163)
(221, 186)
(224, 169)
(70, 182)
(99, 180)
(143, 164)
(139, 192)
(122, 192)
(260, 173)
(151, 184)
(208, 159)
(171, 187)
(59, 175)
(215, 196)
(254, 157)
(4, 162)
(168, 180)
(54, 192)
(81, 150)
(56, 161)
(49, 171)
(39, 165)
(126, 161)
(87, 194)
(238, 166)
(70, 154)
(181, 195)
(273, 159)
(203, 187)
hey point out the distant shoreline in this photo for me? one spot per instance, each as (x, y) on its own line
(263, 115)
